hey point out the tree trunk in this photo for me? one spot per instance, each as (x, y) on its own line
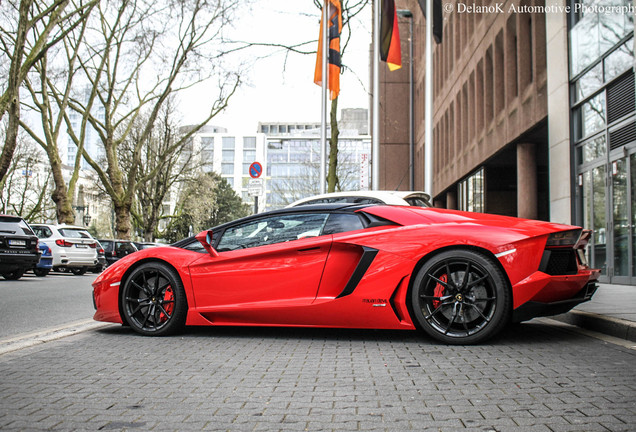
(122, 221)
(332, 175)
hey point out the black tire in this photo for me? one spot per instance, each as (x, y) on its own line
(41, 272)
(14, 275)
(153, 300)
(461, 297)
(78, 271)
(98, 269)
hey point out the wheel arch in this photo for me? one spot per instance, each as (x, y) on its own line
(420, 263)
(132, 268)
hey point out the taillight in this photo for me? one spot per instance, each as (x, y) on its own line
(93, 245)
(63, 243)
(101, 250)
(564, 238)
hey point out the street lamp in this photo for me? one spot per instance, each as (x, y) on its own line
(87, 218)
(407, 14)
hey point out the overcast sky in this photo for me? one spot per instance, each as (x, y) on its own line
(280, 87)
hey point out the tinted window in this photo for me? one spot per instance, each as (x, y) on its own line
(125, 248)
(74, 233)
(342, 222)
(42, 232)
(357, 200)
(417, 202)
(14, 225)
(274, 229)
(107, 244)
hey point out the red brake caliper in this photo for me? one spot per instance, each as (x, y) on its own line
(168, 295)
(439, 290)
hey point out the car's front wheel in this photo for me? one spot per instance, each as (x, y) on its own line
(461, 297)
(78, 271)
(153, 300)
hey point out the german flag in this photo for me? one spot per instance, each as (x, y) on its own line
(335, 28)
(390, 36)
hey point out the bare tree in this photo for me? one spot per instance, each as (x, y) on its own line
(174, 166)
(137, 55)
(29, 28)
(51, 88)
(27, 185)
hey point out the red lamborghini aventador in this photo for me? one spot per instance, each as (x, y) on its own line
(459, 277)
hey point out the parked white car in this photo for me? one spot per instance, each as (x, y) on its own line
(404, 198)
(73, 248)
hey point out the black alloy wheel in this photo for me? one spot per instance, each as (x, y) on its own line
(153, 300)
(461, 297)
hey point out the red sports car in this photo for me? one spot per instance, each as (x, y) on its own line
(460, 277)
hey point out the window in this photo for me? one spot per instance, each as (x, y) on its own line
(74, 233)
(227, 168)
(471, 193)
(271, 230)
(249, 142)
(228, 155)
(342, 222)
(228, 142)
(42, 232)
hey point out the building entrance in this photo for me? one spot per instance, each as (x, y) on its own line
(608, 206)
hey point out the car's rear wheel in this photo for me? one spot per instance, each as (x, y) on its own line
(153, 300)
(461, 297)
(41, 272)
(14, 275)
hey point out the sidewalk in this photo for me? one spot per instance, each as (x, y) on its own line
(611, 311)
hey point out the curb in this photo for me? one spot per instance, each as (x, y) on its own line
(616, 327)
(47, 335)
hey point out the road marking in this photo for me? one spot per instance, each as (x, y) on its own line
(46, 335)
(590, 333)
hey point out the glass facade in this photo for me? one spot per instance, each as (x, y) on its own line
(471, 193)
(603, 104)
(293, 166)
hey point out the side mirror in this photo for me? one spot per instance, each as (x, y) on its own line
(205, 238)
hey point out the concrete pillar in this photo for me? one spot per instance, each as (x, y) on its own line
(527, 181)
(451, 200)
(558, 112)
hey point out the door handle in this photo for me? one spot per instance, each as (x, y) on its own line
(309, 249)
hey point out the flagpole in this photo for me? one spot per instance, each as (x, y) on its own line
(375, 138)
(323, 109)
(428, 102)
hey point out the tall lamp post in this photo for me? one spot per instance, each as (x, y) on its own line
(407, 14)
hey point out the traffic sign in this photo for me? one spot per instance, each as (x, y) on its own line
(256, 169)
(255, 187)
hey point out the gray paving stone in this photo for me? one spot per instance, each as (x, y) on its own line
(533, 378)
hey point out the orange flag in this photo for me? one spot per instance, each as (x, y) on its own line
(335, 27)
(390, 36)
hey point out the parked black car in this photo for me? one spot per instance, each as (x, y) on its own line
(19, 250)
(101, 259)
(147, 245)
(116, 249)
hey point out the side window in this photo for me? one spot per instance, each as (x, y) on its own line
(42, 232)
(342, 222)
(125, 248)
(107, 245)
(274, 229)
(363, 200)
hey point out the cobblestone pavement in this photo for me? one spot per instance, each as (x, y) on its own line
(535, 377)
